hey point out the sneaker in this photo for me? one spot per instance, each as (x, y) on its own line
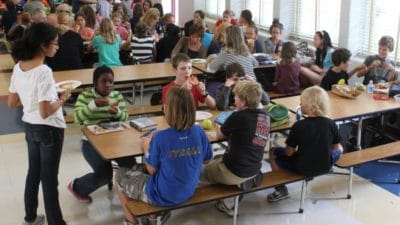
(278, 194)
(83, 199)
(220, 205)
(38, 221)
(250, 183)
(163, 217)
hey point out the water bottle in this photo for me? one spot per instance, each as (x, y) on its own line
(370, 87)
(298, 113)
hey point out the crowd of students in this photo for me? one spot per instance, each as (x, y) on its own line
(178, 164)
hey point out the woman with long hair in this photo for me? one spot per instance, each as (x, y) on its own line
(107, 43)
(32, 86)
(323, 61)
(235, 50)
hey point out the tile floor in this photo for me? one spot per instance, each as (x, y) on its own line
(324, 204)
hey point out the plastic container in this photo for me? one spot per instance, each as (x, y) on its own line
(299, 114)
(397, 98)
(381, 94)
(370, 87)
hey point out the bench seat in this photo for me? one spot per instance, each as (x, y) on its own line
(213, 192)
(351, 159)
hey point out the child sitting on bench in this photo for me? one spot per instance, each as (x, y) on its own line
(247, 131)
(313, 144)
(173, 159)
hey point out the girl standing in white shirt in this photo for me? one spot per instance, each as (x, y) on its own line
(32, 86)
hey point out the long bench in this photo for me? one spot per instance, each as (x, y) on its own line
(352, 159)
(215, 192)
(271, 179)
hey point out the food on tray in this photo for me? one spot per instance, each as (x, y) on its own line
(345, 91)
(67, 86)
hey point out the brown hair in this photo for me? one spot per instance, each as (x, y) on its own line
(180, 57)
(250, 92)
(288, 53)
(235, 41)
(220, 33)
(107, 31)
(197, 28)
(180, 111)
(90, 15)
(387, 41)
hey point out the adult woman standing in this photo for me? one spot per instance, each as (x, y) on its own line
(323, 61)
(32, 86)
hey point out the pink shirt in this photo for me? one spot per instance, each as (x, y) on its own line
(86, 33)
(123, 32)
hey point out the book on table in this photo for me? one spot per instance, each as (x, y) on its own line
(105, 127)
(143, 124)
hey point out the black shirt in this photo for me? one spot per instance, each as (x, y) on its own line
(313, 137)
(70, 52)
(165, 47)
(248, 132)
(187, 27)
(331, 78)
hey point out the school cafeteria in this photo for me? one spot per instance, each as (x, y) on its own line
(161, 112)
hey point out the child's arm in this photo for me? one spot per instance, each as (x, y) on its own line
(290, 150)
(358, 69)
(145, 148)
(219, 134)
(337, 146)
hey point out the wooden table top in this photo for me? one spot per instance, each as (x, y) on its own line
(344, 108)
(6, 63)
(142, 72)
(128, 142)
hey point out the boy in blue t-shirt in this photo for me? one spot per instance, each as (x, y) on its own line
(340, 59)
(173, 159)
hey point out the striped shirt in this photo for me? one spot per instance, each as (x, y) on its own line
(142, 48)
(87, 113)
(225, 58)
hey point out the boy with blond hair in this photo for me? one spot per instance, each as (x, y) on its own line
(313, 144)
(247, 131)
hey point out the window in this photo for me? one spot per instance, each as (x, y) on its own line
(314, 15)
(383, 18)
(262, 11)
(212, 8)
(167, 6)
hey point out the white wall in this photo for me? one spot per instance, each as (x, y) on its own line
(185, 9)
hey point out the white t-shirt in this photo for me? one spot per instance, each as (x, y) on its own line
(32, 87)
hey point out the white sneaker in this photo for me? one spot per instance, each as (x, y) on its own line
(38, 221)
(220, 205)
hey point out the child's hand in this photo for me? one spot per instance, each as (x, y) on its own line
(101, 101)
(65, 95)
(229, 82)
(388, 66)
(146, 143)
(376, 63)
(202, 88)
(114, 108)
(247, 77)
(188, 85)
